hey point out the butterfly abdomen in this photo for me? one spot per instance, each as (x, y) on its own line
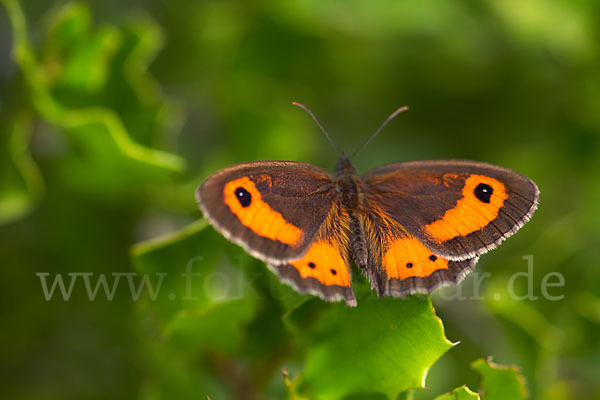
(358, 244)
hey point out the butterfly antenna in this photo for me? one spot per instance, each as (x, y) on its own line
(387, 121)
(302, 106)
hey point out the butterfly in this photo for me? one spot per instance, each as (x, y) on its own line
(409, 226)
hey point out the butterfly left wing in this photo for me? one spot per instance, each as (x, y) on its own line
(324, 270)
(288, 215)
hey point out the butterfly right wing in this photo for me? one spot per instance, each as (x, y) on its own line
(427, 223)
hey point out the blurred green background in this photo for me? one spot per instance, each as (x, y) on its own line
(112, 113)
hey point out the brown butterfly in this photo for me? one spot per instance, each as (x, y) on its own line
(410, 226)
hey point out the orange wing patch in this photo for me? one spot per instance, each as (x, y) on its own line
(323, 262)
(245, 201)
(408, 257)
(483, 197)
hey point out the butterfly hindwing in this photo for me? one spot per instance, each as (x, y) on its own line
(410, 267)
(324, 270)
(400, 264)
(458, 209)
(273, 209)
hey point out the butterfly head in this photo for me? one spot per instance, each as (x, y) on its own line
(344, 167)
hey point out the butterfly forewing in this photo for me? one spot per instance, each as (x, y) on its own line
(458, 209)
(273, 209)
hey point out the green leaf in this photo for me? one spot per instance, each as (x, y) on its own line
(499, 382)
(20, 180)
(460, 393)
(186, 258)
(214, 328)
(187, 329)
(106, 158)
(181, 361)
(381, 346)
(198, 283)
(74, 55)
(408, 395)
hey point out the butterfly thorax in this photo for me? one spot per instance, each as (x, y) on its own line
(347, 184)
(346, 179)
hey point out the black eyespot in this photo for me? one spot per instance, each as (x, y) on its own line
(312, 265)
(409, 265)
(433, 257)
(333, 271)
(483, 192)
(243, 196)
